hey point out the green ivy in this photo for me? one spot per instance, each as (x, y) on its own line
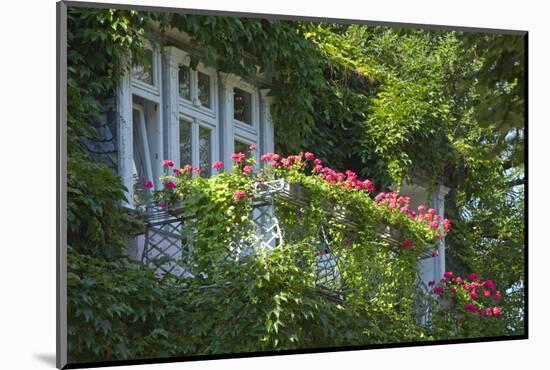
(383, 103)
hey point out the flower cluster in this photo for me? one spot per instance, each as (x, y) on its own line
(393, 201)
(473, 295)
(244, 164)
(347, 180)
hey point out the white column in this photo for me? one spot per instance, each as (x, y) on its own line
(267, 132)
(227, 139)
(125, 136)
(171, 108)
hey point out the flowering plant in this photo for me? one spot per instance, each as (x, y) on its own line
(466, 305)
(419, 229)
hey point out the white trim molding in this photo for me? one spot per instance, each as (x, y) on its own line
(125, 143)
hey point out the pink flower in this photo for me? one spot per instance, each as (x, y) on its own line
(472, 276)
(197, 170)
(402, 200)
(252, 147)
(497, 296)
(188, 168)
(238, 157)
(487, 293)
(266, 157)
(433, 225)
(448, 275)
(248, 169)
(317, 168)
(238, 195)
(497, 311)
(276, 157)
(473, 295)
(489, 284)
(432, 211)
(317, 162)
(488, 311)
(170, 185)
(458, 280)
(148, 184)
(177, 171)
(370, 186)
(309, 156)
(422, 208)
(407, 243)
(350, 174)
(431, 283)
(167, 163)
(453, 290)
(447, 225)
(439, 290)
(217, 165)
(470, 307)
(467, 286)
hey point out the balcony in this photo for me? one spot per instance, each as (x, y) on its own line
(167, 242)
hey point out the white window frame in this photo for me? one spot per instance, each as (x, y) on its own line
(144, 138)
(145, 90)
(194, 105)
(190, 110)
(245, 130)
(196, 124)
(152, 93)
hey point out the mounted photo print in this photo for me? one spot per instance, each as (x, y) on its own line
(236, 185)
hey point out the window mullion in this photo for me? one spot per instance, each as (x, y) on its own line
(195, 143)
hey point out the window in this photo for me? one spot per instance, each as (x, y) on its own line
(184, 77)
(142, 169)
(242, 106)
(196, 87)
(185, 142)
(203, 89)
(241, 147)
(144, 72)
(145, 75)
(205, 151)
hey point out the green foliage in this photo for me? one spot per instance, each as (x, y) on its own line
(97, 225)
(269, 300)
(386, 103)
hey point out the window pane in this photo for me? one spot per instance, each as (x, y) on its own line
(184, 77)
(185, 142)
(205, 151)
(204, 89)
(241, 147)
(139, 163)
(144, 72)
(242, 106)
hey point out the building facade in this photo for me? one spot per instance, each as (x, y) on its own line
(168, 109)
